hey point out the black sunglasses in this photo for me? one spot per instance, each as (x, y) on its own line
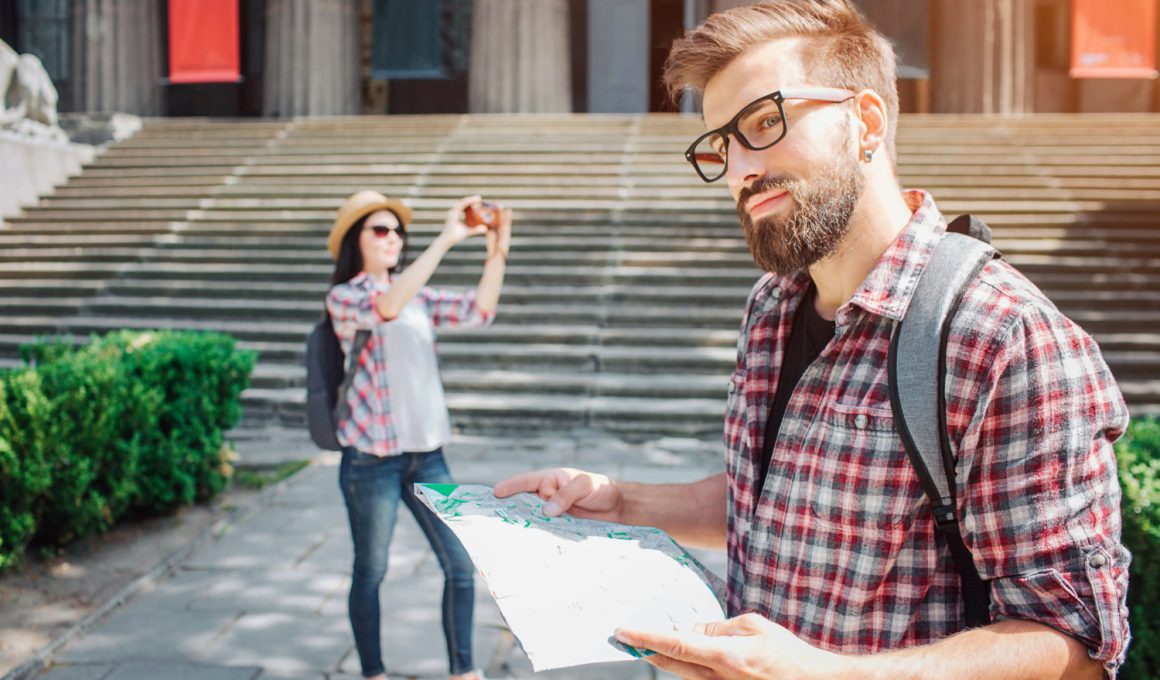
(758, 125)
(382, 231)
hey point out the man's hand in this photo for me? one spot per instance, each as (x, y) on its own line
(747, 647)
(583, 494)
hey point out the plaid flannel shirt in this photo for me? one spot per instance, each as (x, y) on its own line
(838, 543)
(352, 308)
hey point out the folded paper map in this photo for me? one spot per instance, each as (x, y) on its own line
(565, 584)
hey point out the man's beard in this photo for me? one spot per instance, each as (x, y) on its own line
(816, 223)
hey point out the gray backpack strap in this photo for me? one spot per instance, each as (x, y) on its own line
(362, 338)
(917, 395)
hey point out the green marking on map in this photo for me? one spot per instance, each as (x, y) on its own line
(445, 489)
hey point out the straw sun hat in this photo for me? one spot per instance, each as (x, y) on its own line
(357, 207)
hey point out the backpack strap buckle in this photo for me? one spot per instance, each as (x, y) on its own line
(945, 519)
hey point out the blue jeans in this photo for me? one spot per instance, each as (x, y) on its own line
(372, 487)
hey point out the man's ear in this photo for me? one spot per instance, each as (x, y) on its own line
(874, 121)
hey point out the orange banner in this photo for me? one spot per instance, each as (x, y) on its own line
(1113, 39)
(203, 41)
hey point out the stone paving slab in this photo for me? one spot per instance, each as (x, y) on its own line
(146, 670)
(267, 598)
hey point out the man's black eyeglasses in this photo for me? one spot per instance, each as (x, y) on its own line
(759, 125)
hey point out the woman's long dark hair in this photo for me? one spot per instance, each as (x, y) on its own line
(350, 259)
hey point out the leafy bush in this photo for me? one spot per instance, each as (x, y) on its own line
(1138, 453)
(131, 424)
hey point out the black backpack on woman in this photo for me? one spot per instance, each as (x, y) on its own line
(327, 380)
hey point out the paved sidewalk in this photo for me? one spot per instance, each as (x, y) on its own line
(267, 598)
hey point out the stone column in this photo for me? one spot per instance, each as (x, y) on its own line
(618, 45)
(981, 60)
(115, 59)
(520, 57)
(312, 65)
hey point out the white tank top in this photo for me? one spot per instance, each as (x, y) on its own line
(418, 407)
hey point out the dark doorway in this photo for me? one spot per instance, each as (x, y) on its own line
(8, 16)
(666, 24)
(441, 87)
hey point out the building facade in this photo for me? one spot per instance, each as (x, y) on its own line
(328, 57)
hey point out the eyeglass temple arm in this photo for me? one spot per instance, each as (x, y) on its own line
(822, 94)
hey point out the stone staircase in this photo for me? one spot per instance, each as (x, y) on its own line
(627, 276)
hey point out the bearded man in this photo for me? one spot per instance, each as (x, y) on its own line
(836, 569)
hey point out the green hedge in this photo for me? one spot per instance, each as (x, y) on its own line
(1138, 453)
(129, 425)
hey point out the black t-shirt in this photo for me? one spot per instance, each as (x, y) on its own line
(808, 336)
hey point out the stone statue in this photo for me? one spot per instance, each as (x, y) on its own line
(28, 105)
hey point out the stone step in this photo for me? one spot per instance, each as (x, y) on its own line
(664, 214)
(469, 380)
(709, 315)
(612, 312)
(285, 343)
(143, 275)
(439, 183)
(1088, 188)
(626, 250)
(487, 413)
(237, 194)
(601, 371)
(323, 208)
(1085, 293)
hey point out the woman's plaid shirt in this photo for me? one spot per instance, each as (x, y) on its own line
(352, 307)
(838, 545)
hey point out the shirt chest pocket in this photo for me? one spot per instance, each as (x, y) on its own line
(737, 416)
(860, 476)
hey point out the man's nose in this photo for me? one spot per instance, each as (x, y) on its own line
(743, 167)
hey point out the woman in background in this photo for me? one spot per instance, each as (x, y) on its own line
(398, 423)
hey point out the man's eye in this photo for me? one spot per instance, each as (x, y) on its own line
(770, 122)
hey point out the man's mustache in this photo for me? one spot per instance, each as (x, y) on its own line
(763, 185)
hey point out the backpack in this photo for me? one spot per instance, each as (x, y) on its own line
(328, 379)
(917, 389)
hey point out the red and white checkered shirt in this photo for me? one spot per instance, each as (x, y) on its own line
(352, 308)
(838, 543)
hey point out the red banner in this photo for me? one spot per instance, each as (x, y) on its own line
(1113, 39)
(203, 41)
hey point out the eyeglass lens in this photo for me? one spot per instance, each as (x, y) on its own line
(761, 125)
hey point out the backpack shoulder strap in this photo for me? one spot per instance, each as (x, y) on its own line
(362, 338)
(917, 395)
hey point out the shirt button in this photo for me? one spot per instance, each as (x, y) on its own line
(1097, 560)
(861, 421)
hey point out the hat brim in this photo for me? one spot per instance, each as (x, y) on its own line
(347, 219)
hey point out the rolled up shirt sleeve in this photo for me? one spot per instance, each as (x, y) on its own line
(1040, 495)
(450, 309)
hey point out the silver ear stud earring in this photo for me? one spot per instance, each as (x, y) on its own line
(868, 154)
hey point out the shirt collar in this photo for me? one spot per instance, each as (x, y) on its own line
(364, 281)
(887, 290)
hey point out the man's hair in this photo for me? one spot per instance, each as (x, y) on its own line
(840, 49)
